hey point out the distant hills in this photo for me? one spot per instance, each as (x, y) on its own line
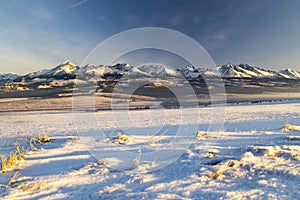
(68, 71)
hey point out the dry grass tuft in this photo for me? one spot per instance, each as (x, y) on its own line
(289, 127)
(42, 138)
(201, 134)
(3, 163)
(220, 173)
(154, 140)
(13, 178)
(7, 162)
(137, 160)
(273, 153)
(122, 138)
(33, 186)
(210, 154)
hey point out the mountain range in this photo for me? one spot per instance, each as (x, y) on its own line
(68, 70)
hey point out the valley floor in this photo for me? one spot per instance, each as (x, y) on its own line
(252, 157)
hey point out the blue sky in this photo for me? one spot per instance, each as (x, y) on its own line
(39, 34)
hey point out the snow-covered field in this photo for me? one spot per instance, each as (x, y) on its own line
(252, 157)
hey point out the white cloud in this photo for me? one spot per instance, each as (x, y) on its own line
(78, 4)
(177, 20)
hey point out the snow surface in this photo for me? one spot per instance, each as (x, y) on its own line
(251, 158)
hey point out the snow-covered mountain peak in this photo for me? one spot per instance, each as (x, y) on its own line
(68, 62)
(66, 66)
(8, 77)
(157, 70)
(290, 73)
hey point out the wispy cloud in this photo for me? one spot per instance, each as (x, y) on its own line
(56, 52)
(78, 4)
(197, 20)
(222, 34)
(177, 20)
(41, 13)
(131, 19)
(102, 18)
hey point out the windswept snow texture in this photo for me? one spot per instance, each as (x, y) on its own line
(252, 158)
